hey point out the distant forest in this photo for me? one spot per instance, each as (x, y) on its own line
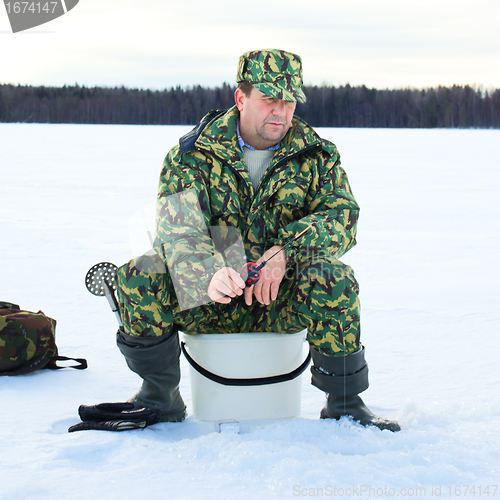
(345, 106)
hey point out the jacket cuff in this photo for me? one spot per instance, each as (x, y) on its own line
(292, 251)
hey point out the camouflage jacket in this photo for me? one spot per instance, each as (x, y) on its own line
(304, 183)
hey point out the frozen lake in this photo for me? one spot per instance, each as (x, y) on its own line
(427, 261)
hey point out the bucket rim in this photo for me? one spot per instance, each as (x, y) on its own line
(241, 337)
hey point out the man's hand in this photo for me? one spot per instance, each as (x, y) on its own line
(226, 283)
(266, 289)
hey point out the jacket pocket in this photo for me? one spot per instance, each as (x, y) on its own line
(289, 202)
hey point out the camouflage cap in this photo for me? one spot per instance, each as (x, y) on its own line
(276, 73)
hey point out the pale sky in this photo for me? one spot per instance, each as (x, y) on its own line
(163, 43)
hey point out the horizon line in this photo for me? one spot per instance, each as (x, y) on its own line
(474, 86)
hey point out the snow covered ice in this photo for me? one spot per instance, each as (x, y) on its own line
(427, 261)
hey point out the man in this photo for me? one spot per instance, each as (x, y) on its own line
(262, 171)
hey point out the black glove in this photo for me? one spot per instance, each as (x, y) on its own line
(114, 417)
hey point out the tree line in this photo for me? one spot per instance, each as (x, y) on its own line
(326, 106)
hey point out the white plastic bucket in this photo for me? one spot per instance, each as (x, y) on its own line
(246, 355)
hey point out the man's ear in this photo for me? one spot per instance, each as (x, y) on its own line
(239, 99)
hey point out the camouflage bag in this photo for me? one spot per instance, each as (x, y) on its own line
(27, 342)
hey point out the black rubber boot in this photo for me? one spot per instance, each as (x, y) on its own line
(343, 378)
(156, 361)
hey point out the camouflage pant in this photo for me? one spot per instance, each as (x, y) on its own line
(319, 295)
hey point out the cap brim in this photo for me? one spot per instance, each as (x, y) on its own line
(281, 92)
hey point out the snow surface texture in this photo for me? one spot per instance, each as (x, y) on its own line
(427, 261)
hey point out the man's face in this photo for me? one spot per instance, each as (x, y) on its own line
(264, 121)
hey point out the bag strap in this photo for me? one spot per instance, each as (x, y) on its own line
(275, 379)
(49, 363)
(82, 363)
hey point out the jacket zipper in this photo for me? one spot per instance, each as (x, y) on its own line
(288, 158)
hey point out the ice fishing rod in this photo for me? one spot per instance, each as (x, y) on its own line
(251, 272)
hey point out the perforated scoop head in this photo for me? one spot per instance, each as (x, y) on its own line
(98, 275)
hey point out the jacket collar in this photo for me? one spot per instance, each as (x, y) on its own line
(219, 137)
